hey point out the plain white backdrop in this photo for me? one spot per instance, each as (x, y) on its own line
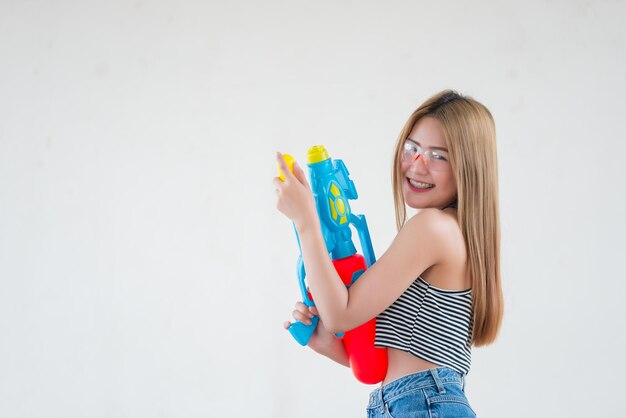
(144, 270)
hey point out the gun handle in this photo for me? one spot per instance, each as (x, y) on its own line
(301, 332)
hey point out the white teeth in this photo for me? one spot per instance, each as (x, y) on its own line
(419, 185)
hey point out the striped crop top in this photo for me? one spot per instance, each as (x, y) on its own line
(430, 323)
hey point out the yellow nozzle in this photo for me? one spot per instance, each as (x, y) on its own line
(317, 153)
(289, 161)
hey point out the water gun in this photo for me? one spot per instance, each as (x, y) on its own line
(332, 188)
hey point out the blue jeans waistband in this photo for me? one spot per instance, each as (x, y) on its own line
(433, 377)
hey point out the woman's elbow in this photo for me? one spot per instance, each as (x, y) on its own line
(334, 325)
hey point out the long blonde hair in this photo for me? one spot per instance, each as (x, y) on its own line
(471, 139)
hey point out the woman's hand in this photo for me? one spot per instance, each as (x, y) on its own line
(321, 338)
(294, 196)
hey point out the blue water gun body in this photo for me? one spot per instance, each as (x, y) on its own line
(332, 189)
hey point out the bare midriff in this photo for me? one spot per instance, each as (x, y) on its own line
(402, 363)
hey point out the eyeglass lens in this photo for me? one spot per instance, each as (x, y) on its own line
(435, 161)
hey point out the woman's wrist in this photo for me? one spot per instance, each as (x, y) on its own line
(323, 346)
(332, 348)
(310, 224)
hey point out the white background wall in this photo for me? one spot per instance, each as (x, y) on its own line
(144, 270)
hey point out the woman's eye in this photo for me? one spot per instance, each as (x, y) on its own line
(439, 157)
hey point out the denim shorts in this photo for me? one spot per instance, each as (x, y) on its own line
(431, 393)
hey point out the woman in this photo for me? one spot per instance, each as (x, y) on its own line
(436, 291)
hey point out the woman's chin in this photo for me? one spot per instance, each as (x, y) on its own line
(415, 201)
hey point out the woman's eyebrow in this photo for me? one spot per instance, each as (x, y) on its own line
(437, 148)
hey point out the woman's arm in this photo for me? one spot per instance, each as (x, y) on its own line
(420, 244)
(322, 341)
(335, 351)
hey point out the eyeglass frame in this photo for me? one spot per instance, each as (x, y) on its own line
(419, 151)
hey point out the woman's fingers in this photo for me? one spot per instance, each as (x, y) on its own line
(284, 168)
(300, 175)
(297, 174)
(302, 317)
(304, 309)
(302, 313)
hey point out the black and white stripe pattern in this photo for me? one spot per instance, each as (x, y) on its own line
(430, 323)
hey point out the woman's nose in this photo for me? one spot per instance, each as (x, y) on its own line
(423, 166)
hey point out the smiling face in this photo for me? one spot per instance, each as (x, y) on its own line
(427, 184)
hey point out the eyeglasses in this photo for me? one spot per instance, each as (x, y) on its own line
(432, 159)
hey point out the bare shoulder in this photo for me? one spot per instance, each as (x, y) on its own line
(441, 228)
(439, 224)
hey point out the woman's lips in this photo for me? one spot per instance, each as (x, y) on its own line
(416, 189)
